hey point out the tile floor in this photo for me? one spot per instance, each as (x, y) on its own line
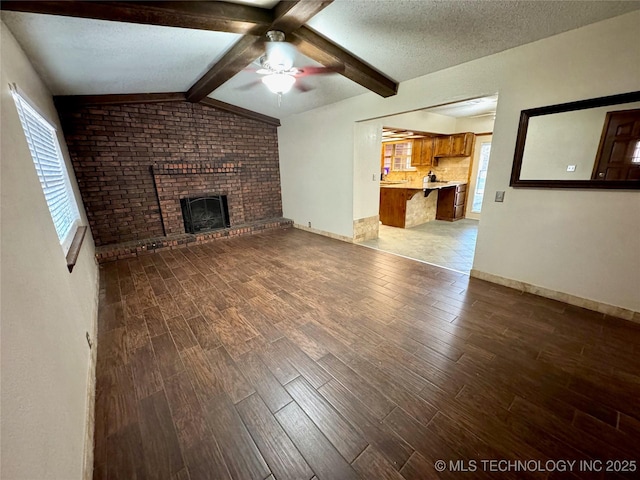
(446, 244)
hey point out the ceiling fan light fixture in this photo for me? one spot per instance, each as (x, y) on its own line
(279, 83)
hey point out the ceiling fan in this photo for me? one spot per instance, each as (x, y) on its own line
(276, 66)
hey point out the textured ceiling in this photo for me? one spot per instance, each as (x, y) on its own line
(409, 38)
(402, 38)
(77, 56)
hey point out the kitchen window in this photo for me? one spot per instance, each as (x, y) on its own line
(50, 167)
(396, 156)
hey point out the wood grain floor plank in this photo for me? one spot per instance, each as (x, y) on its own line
(375, 432)
(239, 451)
(146, 376)
(187, 412)
(281, 455)
(233, 331)
(267, 386)
(309, 369)
(430, 447)
(203, 332)
(366, 393)
(155, 321)
(347, 440)
(279, 365)
(167, 355)
(125, 454)
(162, 454)
(205, 383)
(120, 408)
(319, 453)
(413, 404)
(181, 333)
(224, 368)
(371, 464)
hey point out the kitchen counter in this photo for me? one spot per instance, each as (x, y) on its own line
(418, 185)
(403, 205)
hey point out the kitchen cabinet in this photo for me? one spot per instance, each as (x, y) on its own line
(451, 202)
(457, 145)
(442, 146)
(462, 144)
(422, 152)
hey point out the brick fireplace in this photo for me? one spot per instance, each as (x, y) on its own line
(134, 163)
(175, 181)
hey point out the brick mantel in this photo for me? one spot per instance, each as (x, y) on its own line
(195, 168)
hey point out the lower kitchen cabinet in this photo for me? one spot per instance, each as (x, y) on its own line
(451, 202)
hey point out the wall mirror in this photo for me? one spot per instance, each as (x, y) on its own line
(591, 143)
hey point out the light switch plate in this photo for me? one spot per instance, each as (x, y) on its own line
(500, 196)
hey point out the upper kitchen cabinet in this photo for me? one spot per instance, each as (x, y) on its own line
(457, 145)
(462, 144)
(422, 152)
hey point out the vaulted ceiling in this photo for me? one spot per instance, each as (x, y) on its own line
(200, 50)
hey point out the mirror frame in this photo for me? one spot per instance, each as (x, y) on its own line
(525, 115)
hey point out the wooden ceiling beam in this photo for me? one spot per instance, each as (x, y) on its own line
(245, 51)
(66, 101)
(215, 16)
(288, 15)
(327, 53)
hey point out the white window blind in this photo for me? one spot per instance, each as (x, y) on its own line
(45, 151)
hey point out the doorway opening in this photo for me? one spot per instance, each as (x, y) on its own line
(437, 184)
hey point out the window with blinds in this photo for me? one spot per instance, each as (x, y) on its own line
(45, 151)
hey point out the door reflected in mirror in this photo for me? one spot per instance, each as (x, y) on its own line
(587, 144)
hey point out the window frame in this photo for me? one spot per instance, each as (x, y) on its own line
(24, 107)
(407, 167)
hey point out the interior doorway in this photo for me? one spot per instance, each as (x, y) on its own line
(449, 144)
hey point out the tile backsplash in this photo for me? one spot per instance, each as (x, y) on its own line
(450, 169)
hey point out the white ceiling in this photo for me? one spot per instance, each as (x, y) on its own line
(402, 38)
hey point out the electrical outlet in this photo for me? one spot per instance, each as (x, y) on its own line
(500, 196)
(374, 177)
(309, 224)
(571, 168)
(89, 341)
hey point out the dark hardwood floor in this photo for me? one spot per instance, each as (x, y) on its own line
(288, 355)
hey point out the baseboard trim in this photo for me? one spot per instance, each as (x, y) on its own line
(323, 233)
(599, 307)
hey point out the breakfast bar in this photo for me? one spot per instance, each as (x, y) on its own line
(407, 204)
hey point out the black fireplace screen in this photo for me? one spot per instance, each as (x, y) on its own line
(203, 214)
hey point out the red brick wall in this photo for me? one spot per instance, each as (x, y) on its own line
(113, 148)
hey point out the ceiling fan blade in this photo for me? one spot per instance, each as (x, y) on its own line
(306, 71)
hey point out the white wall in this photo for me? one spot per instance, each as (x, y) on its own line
(482, 124)
(581, 242)
(422, 121)
(45, 309)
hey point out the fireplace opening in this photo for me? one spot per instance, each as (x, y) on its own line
(202, 214)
